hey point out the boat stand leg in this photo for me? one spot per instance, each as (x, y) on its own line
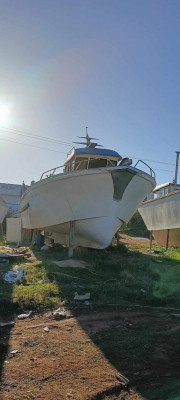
(150, 244)
(118, 238)
(71, 239)
(167, 239)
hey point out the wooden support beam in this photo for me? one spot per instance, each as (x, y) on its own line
(151, 237)
(71, 239)
(167, 239)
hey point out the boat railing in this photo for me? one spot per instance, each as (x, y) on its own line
(85, 164)
(74, 166)
(50, 172)
(152, 173)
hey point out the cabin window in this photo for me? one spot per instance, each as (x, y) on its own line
(80, 163)
(97, 163)
(112, 163)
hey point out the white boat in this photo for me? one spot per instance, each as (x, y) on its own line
(162, 214)
(3, 210)
(97, 191)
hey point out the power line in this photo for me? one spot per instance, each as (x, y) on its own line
(31, 145)
(45, 138)
(62, 152)
(154, 161)
(31, 135)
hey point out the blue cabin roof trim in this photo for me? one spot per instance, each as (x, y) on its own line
(96, 151)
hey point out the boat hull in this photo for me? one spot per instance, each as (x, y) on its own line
(99, 201)
(162, 217)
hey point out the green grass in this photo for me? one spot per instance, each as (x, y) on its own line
(42, 295)
(120, 275)
(136, 226)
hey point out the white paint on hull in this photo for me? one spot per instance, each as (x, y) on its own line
(86, 197)
(162, 212)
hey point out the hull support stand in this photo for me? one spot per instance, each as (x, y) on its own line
(71, 239)
(167, 239)
(151, 237)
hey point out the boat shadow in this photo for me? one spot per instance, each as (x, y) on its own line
(116, 330)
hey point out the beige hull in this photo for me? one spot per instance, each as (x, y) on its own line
(162, 215)
(161, 237)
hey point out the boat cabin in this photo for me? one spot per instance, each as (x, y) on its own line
(165, 189)
(91, 157)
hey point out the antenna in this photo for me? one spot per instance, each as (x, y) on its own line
(88, 140)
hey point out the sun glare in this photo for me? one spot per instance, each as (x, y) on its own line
(5, 113)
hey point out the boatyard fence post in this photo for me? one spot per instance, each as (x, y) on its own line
(71, 239)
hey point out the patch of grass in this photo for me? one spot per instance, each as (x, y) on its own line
(169, 283)
(122, 276)
(2, 240)
(40, 296)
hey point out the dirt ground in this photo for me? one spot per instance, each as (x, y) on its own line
(126, 239)
(93, 355)
(66, 363)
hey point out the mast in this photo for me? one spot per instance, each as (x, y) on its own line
(176, 169)
(88, 142)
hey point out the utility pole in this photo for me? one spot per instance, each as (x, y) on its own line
(176, 170)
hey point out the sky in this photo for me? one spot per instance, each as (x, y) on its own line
(111, 65)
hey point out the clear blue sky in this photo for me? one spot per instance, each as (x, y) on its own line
(111, 65)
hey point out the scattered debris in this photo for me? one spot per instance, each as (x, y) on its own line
(34, 326)
(25, 315)
(60, 313)
(72, 264)
(175, 316)
(85, 296)
(11, 256)
(4, 261)
(122, 379)
(45, 248)
(14, 352)
(14, 275)
(143, 291)
(8, 323)
(46, 329)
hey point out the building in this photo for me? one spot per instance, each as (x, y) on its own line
(165, 188)
(11, 194)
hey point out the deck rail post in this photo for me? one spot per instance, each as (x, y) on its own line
(71, 239)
